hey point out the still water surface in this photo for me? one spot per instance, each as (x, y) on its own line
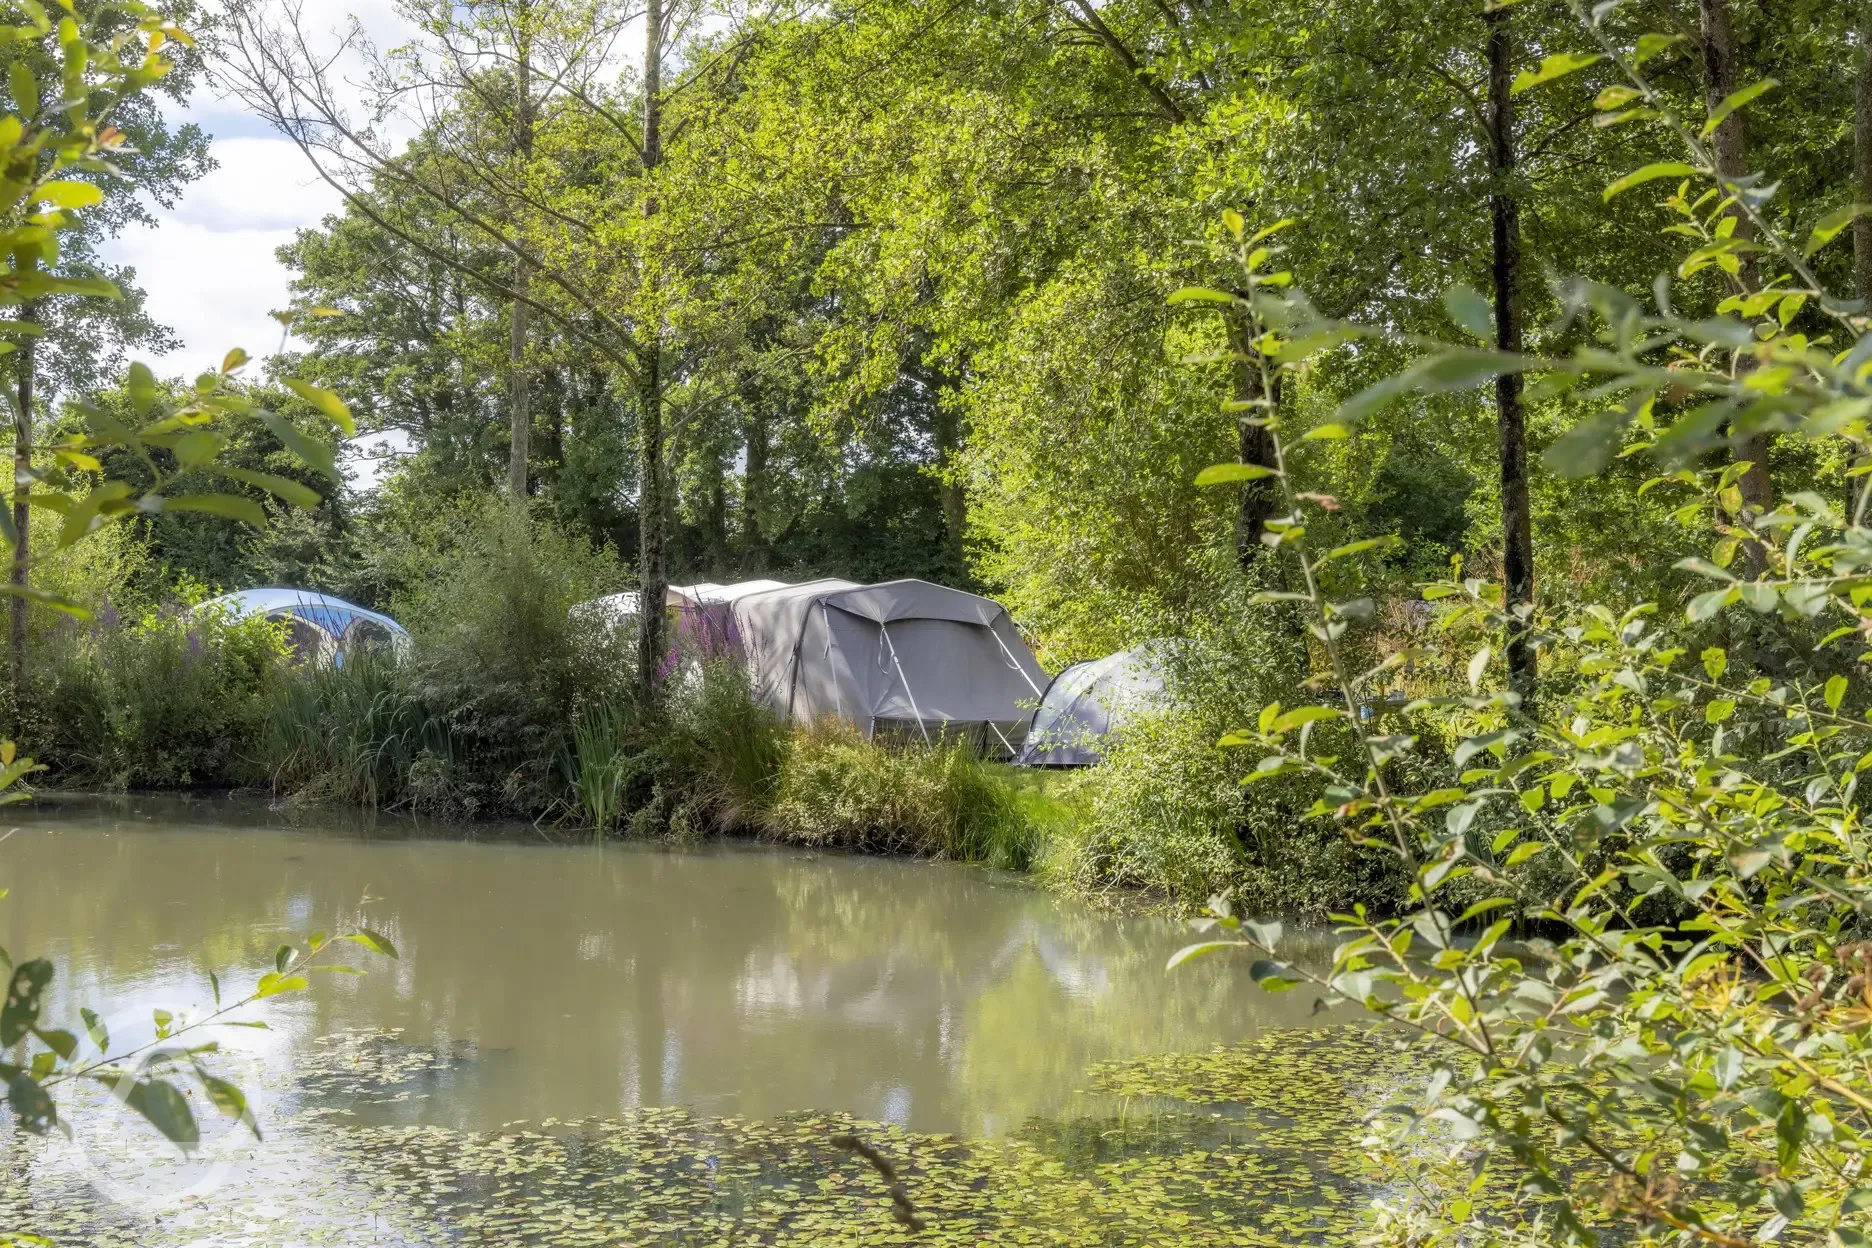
(579, 980)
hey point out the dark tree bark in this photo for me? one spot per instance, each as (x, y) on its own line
(520, 407)
(652, 500)
(26, 374)
(1730, 147)
(1510, 414)
(1862, 190)
(754, 484)
(1260, 501)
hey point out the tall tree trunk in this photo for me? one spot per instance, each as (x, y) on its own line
(1730, 146)
(946, 426)
(26, 364)
(519, 402)
(754, 484)
(653, 517)
(1260, 500)
(1510, 416)
(1862, 191)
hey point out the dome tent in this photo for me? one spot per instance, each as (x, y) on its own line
(322, 628)
(906, 657)
(1088, 702)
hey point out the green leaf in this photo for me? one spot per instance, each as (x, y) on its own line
(229, 1099)
(1586, 448)
(1190, 953)
(1304, 715)
(142, 388)
(1721, 112)
(316, 454)
(1715, 662)
(1360, 547)
(231, 506)
(1761, 598)
(68, 194)
(164, 1107)
(1704, 607)
(25, 89)
(21, 1011)
(195, 449)
(1470, 312)
(1524, 852)
(1650, 173)
(1719, 710)
(284, 488)
(1835, 692)
(1226, 474)
(373, 941)
(272, 984)
(1559, 65)
(1830, 226)
(1728, 1067)
(325, 401)
(1650, 45)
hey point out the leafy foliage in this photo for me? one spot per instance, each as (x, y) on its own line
(1680, 1047)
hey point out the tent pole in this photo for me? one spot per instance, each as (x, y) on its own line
(1011, 662)
(884, 631)
(1004, 741)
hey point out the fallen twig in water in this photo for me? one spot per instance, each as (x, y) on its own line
(901, 1208)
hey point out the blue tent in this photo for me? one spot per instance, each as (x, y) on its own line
(322, 627)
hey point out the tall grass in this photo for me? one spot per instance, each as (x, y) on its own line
(835, 788)
(355, 733)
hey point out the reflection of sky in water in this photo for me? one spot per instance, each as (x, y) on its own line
(575, 980)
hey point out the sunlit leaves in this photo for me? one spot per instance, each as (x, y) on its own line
(1559, 65)
(1231, 474)
(1650, 173)
(1739, 99)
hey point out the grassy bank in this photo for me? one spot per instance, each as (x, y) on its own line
(510, 705)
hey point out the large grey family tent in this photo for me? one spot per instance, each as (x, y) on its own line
(906, 657)
(620, 607)
(1089, 702)
(320, 627)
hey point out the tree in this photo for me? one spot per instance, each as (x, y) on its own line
(1505, 272)
(64, 341)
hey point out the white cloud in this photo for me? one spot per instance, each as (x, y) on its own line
(208, 266)
(208, 263)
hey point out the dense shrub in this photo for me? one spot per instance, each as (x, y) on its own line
(171, 698)
(719, 762)
(837, 789)
(478, 718)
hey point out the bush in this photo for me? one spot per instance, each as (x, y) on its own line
(355, 733)
(172, 699)
(479, 718)
(837, 789)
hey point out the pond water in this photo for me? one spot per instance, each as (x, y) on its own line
(602, 995)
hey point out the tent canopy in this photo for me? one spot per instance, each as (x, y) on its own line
(337, 625)
(622, 606)
(1088, 702)
(904, 655)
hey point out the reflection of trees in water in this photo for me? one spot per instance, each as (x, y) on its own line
(590, 979)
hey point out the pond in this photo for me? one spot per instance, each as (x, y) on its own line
(620, 1043)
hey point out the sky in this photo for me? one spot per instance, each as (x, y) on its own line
(208, 264)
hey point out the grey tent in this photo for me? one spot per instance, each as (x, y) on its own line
(905, 657)
(1089, 701)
